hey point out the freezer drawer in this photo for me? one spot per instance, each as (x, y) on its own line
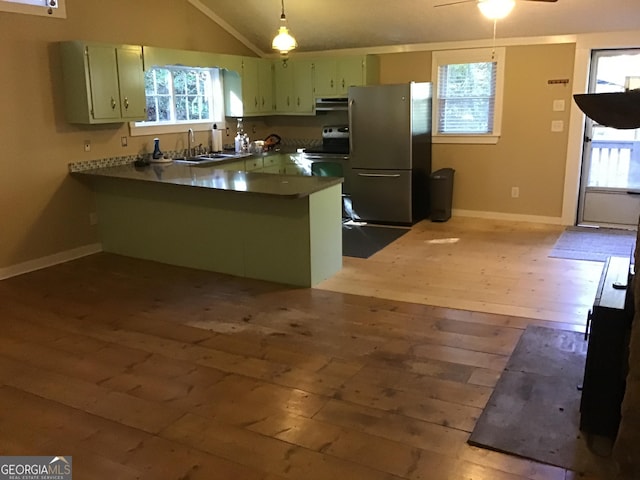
(382, 196)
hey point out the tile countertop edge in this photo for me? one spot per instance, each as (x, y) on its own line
(205, 180)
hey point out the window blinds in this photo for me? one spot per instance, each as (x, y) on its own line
(466, 98)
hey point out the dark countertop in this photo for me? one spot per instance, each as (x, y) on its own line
(291, 186)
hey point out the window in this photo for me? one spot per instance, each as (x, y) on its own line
(179, 98)
(468, 88)
(50, 8)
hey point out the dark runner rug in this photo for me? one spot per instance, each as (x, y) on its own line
(362, 241)
(595, 244)
(534, 411)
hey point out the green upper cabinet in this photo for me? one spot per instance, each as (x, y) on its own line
(250, 91)
(294, 87)
(334, 75)
(303, 87)
(283, 87)
(102, 83)
(265, 79)
(133, 101)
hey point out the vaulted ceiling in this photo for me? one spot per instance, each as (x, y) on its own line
(338, 24)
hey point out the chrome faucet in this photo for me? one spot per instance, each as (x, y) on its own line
(190, 142)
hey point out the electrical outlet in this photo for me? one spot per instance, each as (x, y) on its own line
(123, 141)
(87, 145)
(93, 218)
(515, 192)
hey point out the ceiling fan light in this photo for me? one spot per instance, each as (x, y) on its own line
(496, 9)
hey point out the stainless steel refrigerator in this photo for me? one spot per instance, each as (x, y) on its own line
(390, 152)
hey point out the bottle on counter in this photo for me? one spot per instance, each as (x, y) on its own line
(156, 149)
(239, 136)
(245, 143)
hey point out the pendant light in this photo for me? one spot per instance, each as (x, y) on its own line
(496, 9)
(283, 41)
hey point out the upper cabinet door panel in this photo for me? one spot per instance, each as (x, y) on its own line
(350, 73)
(131, 77)
(103, 75)
(283, 86)
(265, 76)
(325, 77)
(303, 86)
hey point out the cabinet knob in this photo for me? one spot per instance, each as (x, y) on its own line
(126, 103)
(113, 103)
(343, 83)
(288, 101)
(332, 83)
(255, 101)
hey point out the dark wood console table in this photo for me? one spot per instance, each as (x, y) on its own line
(608, 331)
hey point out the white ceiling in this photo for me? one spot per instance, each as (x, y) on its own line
(341, 24)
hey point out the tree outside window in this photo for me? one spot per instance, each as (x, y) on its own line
(179, 95)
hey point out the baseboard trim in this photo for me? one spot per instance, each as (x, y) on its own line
(514, 217)
(49, 261)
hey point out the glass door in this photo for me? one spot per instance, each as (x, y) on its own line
(610, 184)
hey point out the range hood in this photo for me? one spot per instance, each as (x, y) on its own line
(331, 104)
(617, 110)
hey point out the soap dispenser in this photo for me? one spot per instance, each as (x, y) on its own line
(156, 149)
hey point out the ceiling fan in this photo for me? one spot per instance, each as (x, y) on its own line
(493, 9)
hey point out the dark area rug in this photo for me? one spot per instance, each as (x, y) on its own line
(362, 241)
(534, 411)
(595, 244)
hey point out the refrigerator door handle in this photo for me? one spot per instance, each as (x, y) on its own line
(350, 113)
(396, 175)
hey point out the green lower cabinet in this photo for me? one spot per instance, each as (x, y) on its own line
(238, 166)
(292, 169)
(254, 163)
(271, 169)
(226, 232)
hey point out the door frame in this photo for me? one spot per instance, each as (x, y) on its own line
(582, 63)
(602, 195)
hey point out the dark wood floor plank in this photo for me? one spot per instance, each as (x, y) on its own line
(142, 370)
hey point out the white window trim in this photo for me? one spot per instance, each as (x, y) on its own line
(473, 55)
(138, 130)
(27, 7)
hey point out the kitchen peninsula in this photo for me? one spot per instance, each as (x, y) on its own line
(281, 228)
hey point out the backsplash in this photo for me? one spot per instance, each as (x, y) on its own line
(289, 144)
(101, 163)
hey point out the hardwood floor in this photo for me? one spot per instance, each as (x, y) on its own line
(142, 370)
(490, 266)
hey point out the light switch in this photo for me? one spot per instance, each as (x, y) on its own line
(557, 126)
(558, 105)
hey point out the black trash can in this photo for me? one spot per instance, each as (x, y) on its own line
(441, 194)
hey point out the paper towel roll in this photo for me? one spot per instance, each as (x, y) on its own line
(216, 140)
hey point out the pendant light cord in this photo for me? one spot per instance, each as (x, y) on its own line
(493, 46)
(282, 16)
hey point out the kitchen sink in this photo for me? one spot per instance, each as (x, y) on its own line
(221, 155)
(210, 158)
